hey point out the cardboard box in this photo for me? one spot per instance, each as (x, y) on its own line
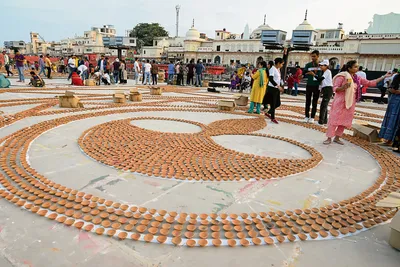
(393, 201)
(133, 90)
(365, 133)
(119, 98)
(227, 104)
(69, 93)
(69, 102)
(241, 100)
(135, 97)
(155, 91)
(394, 239)
(90, 82)
(205, 84)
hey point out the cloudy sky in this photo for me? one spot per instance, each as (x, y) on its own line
(55, 20)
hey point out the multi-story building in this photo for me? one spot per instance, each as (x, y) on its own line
(384, 24)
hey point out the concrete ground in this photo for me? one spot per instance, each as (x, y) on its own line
(29, 240)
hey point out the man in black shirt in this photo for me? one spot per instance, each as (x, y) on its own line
(312, 87)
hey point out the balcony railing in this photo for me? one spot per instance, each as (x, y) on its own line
(329, 49)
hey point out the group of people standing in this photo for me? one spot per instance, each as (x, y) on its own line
(346, 87)
(194, 73)
(267, 87)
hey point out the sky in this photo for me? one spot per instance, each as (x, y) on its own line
(56, 20)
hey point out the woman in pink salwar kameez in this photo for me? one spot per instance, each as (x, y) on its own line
(347, 88)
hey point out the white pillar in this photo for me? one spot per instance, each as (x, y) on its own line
(383, 65)
(374, 65)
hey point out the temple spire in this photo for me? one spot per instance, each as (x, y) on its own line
(305, 18)
(193, 24)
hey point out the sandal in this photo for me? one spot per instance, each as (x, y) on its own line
(338, 141)
(327, 142)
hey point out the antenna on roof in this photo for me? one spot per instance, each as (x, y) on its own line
(265, 19)
(305, 18)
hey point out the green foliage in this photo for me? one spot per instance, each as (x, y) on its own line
(146, 32)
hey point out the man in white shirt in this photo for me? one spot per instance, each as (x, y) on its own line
(147, 69)
(83, 72)
(7, 64)
(274, 90)
(71, 66)
(361, 73)
(137, 70)
(326, 88)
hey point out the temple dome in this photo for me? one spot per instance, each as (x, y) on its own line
(192, 34)
(305, 26)
(256, 34)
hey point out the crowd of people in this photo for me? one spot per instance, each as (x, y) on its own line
(346, 88)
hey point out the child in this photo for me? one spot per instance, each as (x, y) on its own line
(326, 88)
(36, 81)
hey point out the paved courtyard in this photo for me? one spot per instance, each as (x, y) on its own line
(173, 181)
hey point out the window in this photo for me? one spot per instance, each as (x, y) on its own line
(133, 41)
(155, 42)
(322, 35)
(204, 61)
(144, 52)
(209, 60)
(218, 48)
(217, 33)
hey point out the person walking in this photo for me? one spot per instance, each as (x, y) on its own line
(71, 67)
(347, 88)
(274, 90)
(19, 59)
(311, 71)
(297, 79)
(190, 73)
(7, 64)
(48, 66)
(259, 87)
(147, 72)
(116, 70)
(326, 88)
(136, 68)
(199, 73)
(41, 65)
(171, 72)
(154, 72)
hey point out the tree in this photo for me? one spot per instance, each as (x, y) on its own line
(146, 32)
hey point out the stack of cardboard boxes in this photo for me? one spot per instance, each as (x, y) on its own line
(69, 100)
(119, 97)
(134, 95)
(227, 104)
